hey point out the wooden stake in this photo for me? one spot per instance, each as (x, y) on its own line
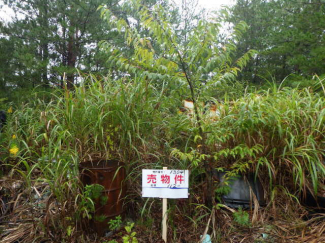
(164, 216)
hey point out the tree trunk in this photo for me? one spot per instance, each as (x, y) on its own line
(44, 47)
(71, 59)
(255, 70)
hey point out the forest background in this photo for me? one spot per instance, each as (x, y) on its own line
(46, 40)
(88, 80)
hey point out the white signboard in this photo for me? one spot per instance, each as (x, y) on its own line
(165, 183)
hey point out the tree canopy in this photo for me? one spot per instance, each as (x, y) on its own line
(51, 38)
(48, 41)
(288, 34)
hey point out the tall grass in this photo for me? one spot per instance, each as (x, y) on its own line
(106, 119)
(276, 133)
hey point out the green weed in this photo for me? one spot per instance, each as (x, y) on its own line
(241, 217)
(130, 235)
(115, 224)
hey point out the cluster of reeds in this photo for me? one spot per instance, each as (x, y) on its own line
(277, 133)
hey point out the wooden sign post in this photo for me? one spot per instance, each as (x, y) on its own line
(165, 184)
(164, 217)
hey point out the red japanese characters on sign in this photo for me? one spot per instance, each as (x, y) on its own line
(151, 179)
(165, 183)
(165, 179)
(179, 178)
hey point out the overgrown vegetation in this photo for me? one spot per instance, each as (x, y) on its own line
(274, 132)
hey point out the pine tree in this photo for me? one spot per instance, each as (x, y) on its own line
(55, 37)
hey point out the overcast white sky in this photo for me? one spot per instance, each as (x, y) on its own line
(5, 12)
(212, 4)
